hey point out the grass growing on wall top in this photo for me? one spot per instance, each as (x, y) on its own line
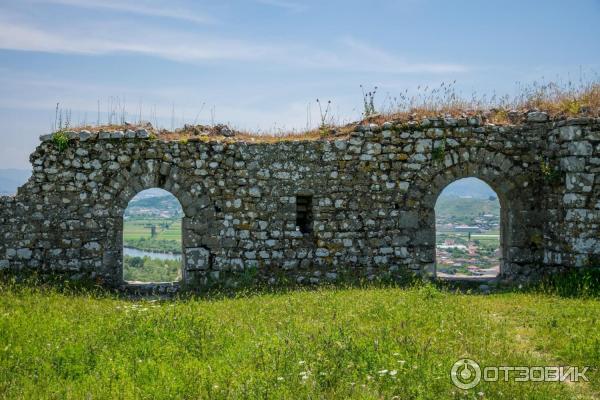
(559, 98)
(328, 343)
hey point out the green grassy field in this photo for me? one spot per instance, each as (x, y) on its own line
(325, 344)
(166, 239)
(135, 229)
(488, 239)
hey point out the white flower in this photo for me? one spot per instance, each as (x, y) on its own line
(304, 375)
(393, 372)
(383, 372)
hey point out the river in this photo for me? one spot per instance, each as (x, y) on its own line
(128, 251)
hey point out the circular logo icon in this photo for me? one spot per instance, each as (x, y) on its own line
(465, 374)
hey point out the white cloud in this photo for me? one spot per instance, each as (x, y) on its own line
(105, 37)
(285, 4)
(115, 39)
(388, 62)
(138, 7)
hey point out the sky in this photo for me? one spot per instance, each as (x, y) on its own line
(261, 64)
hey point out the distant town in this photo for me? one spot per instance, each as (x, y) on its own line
(467, 237)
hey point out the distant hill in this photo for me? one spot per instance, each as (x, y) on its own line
(155, 202)
(463, 209)
(154, 206)
(154, 192)
(468, 187)
(11, 179)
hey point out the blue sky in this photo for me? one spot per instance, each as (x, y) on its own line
(260, 64)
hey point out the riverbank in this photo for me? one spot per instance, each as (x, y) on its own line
(161, 255)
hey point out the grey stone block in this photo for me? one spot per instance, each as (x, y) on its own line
(197, 258)
(537, 116)
(142, 134)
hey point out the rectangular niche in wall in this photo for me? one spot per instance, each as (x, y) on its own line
(304, 217)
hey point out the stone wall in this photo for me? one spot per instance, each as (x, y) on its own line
(573, 231)
(373, 195)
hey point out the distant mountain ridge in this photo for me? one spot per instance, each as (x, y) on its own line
(468, 187)
(11, 179)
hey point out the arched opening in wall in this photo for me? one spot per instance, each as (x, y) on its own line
(467, 231)
(152, 238)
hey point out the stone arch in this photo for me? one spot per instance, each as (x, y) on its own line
(152, 174)
(148, 174)
(520, 224)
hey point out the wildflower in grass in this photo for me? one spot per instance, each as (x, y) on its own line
(280, 378)
(304, 375)
(393, 372)
(383, 372)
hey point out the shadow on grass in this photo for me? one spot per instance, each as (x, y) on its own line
(244, 288)
(575, 283)
(579, 283)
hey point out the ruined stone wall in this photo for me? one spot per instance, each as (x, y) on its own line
(373, 196)
(573, 233)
